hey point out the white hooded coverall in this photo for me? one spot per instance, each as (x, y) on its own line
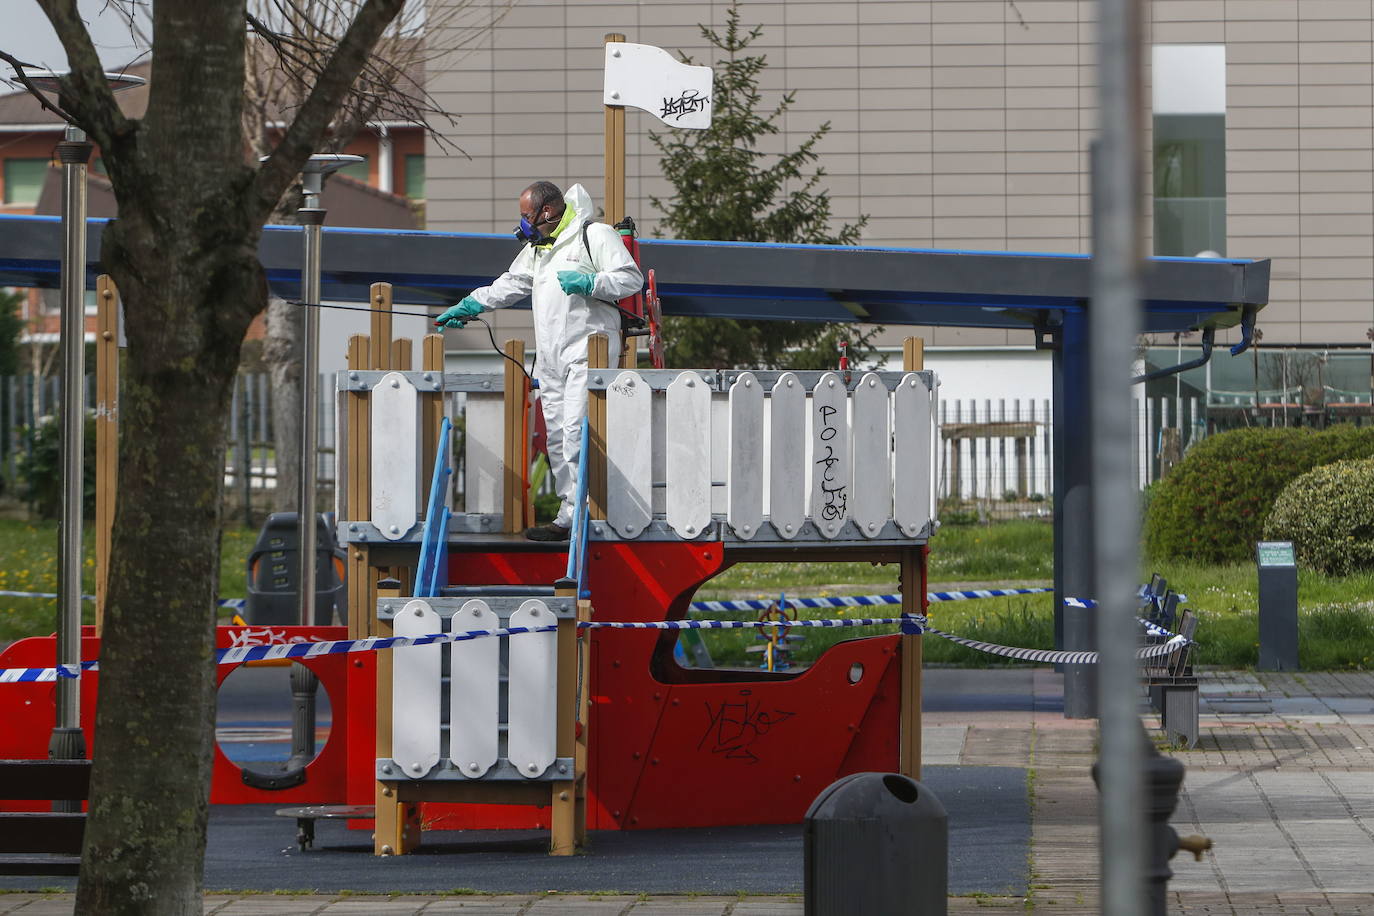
(563, 324)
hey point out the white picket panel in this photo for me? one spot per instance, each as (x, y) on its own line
(629, 459)
(830, 458)
(688, 464)
(532, 704)
(872, 495)
(744, 479)
(416, 703)
(786, 456)
(395, 459)
(485, 460)
(474, 692)
(911, 426)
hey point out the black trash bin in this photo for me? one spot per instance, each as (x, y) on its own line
(273, 571)
(876, 843)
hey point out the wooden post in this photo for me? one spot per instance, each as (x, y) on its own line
(913, 602)
(398, 822)
(615, 155)
(358, 493)
(431, 403)
(569, 812)
(598, 357)
(381, 326)
(513, 494)
(106, 435)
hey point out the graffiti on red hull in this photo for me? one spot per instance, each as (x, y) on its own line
(734, 727)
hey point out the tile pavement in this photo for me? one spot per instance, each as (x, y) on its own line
(1282, 781)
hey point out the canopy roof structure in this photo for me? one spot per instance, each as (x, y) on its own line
(743, 280)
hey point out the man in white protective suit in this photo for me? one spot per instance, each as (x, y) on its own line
(574, 270)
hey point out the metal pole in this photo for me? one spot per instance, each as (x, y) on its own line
(68, 742)
(1113, 328)
(312, 219)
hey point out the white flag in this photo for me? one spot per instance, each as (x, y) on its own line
(642, 76)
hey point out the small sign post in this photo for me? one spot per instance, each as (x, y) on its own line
(1278, 606)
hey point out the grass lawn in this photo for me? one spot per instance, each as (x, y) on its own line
(1336, 622)
(28, 563)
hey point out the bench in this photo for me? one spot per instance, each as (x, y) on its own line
(43, 842)
(1169, 679)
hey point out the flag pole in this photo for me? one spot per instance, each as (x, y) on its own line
(615, 154)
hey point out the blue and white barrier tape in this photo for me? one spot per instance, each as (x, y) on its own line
(1053, 656)
(910, 624)
(862, 600)
(239, 654)
(222, 602)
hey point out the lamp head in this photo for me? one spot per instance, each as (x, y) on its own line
(322, 164)
(48, 80)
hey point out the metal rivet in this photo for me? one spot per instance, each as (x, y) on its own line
(386, 768)
(533, 768)
(872, 526)
(830, 383)
(353, 527)
(362, 535)
(872, 382)
(562, 768)
(353, 376)
(615, 95)
(615, 53)
(690, 383)
(416, 768)
(748, 383)
(487, 383)
(911, 384)
(534, 612)
(419, 612)
(395, 383)
(786, 527)
(395, 530)
(477, 612)
(690, 530)
(597, 380)
(473, 767)
(789, 383)
(387, 850)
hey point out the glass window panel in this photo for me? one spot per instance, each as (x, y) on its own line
(24, 180)
(415, 176)
(358, 171)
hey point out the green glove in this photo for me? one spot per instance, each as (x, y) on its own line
(576, 283)
(457, 316)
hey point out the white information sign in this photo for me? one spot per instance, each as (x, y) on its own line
(649, 78)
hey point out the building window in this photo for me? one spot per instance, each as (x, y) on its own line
(358, 171)
(415, 176)
(1189, 84)
(24, 180)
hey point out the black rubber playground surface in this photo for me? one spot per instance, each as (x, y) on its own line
(250, 848)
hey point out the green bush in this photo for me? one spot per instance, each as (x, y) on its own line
(1328, 514)
(1212, 506)
(40, 467)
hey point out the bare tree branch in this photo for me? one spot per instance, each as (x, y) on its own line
(22, 78)
(315, 114)
(85, 94)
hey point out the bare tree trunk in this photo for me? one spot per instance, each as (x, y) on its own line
(282, 352)
(145, 839)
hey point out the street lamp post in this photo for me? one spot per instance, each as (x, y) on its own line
(68, 741)
(304, 684)
(311, 216)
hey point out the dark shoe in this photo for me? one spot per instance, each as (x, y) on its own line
(550, 532)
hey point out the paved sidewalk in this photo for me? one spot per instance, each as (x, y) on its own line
(1282, 781)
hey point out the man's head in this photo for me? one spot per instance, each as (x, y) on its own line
(541, 206)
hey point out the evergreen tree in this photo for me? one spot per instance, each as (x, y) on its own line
(727, 189)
